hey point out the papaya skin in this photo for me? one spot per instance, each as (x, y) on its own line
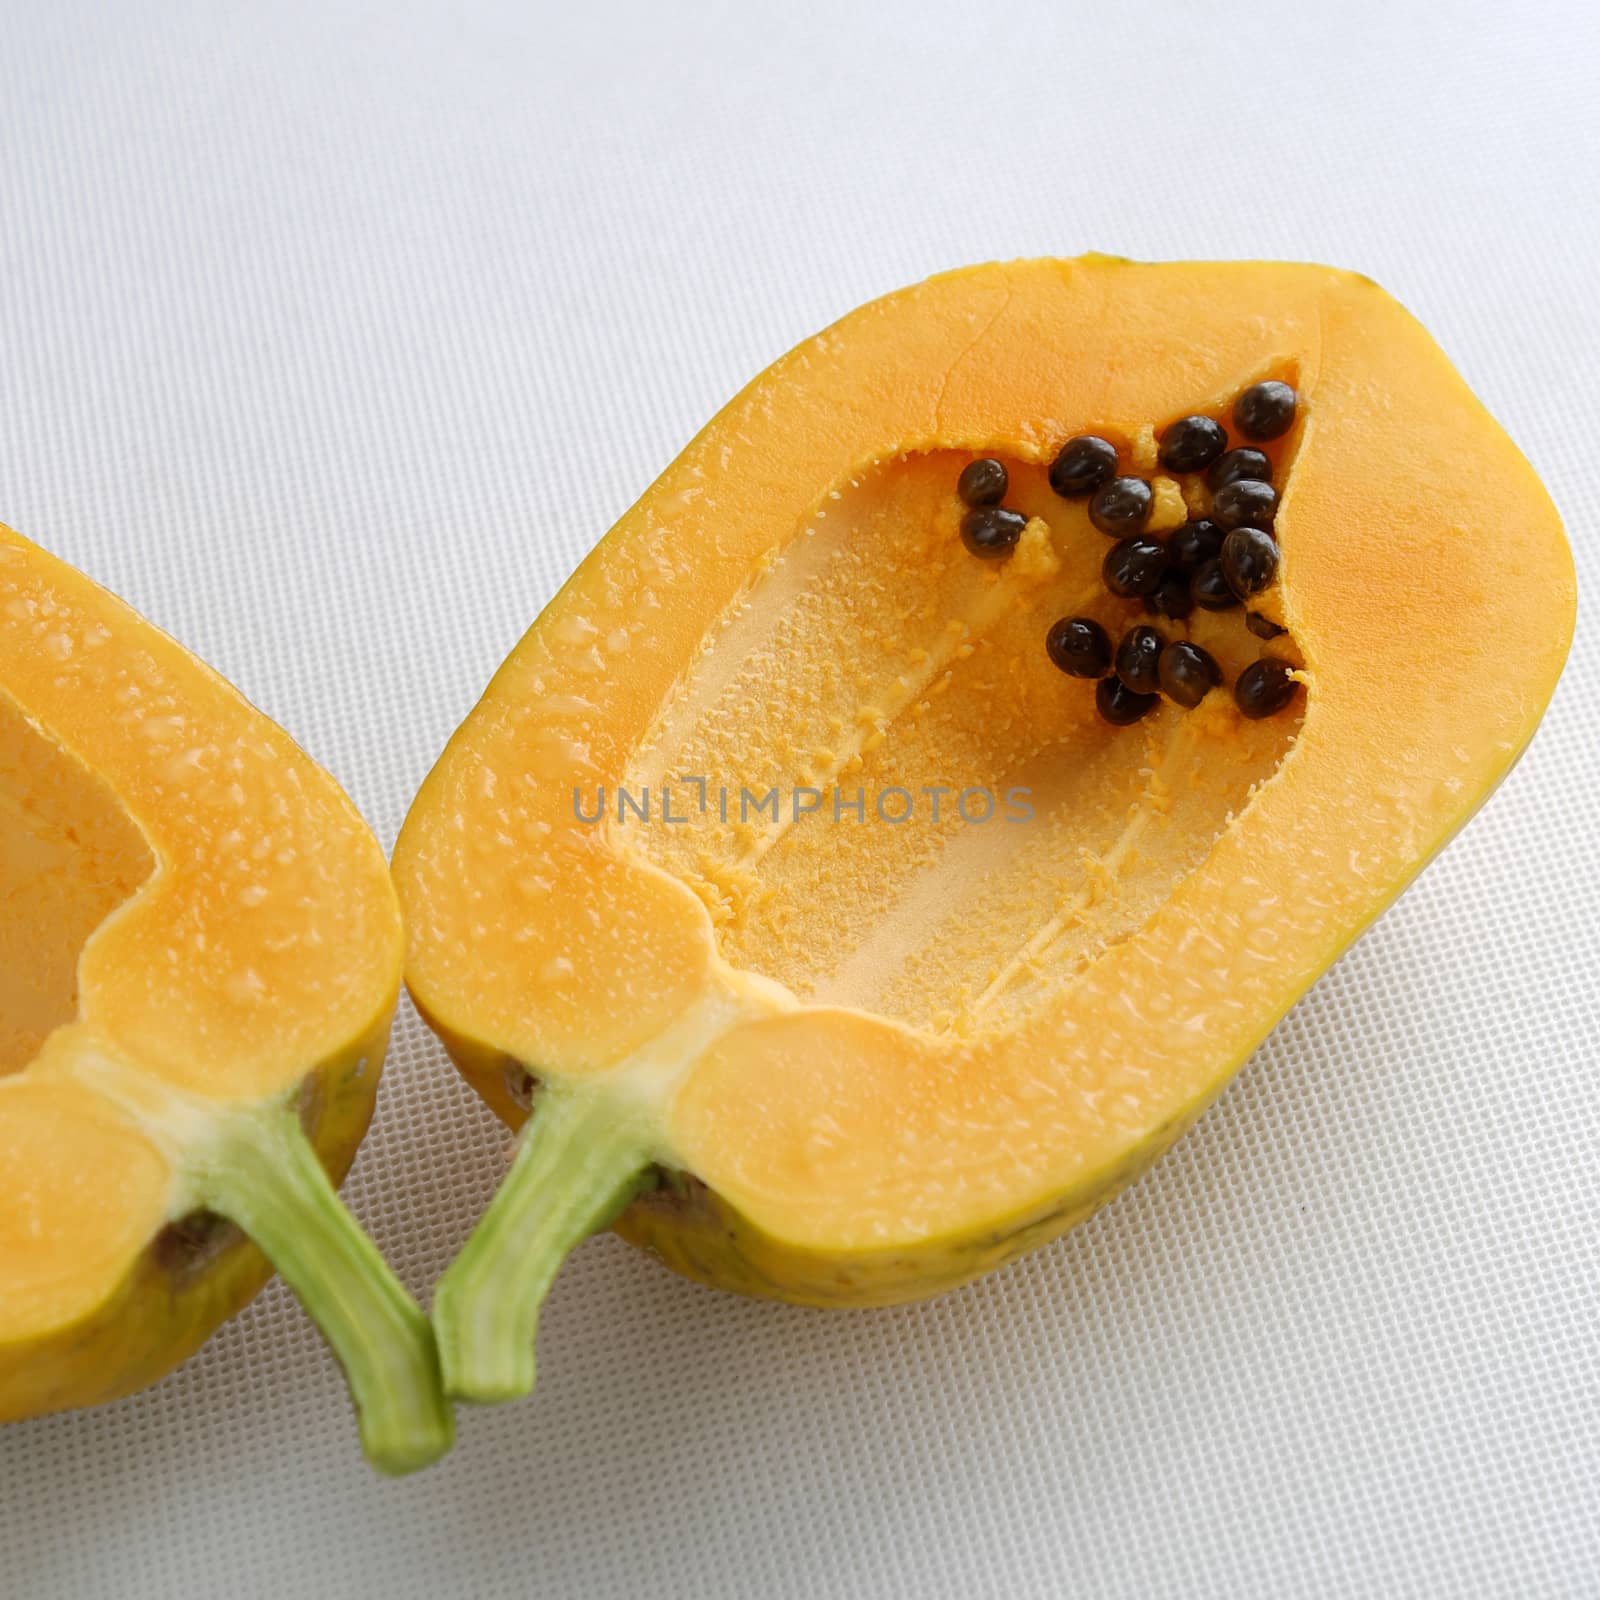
(200, 954)
(829, 1134)
(699, 1235)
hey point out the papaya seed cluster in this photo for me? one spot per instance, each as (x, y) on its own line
(1217, 562)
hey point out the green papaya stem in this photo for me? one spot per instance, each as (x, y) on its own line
(269, 1180)
(578, 1164)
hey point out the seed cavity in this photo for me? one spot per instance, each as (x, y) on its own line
(1224, 553)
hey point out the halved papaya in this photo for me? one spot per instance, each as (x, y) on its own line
(200, 953)
(1062, 826)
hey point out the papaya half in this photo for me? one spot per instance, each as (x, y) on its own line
(200, 953)
(925, 798)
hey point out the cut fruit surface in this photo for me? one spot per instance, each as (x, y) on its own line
(941, 689)
(69, 856)
(199, 958)
(786, 865)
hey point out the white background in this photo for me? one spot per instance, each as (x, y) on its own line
(332, 334)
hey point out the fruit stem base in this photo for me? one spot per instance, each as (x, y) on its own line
(578, 1164)
(268, 1179)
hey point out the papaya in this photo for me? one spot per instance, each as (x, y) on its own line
(200, 953)
(918, 806)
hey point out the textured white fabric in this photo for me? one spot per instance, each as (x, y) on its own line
(333, 332)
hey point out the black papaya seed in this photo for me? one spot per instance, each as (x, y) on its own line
(1249, 561)
(1246, 503)
(1080, 647)
(1133, 567)
(1138, 659)
(1191, 444)
(983, 482)
(1082, 466)
(992, 531)
(1236, 464)
(1211, 589)
(1188, 673)
(1118, 704)
(1196, 542)
(1171, 597)
(1264, 688)
(1264, 410)
(1121, 507)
